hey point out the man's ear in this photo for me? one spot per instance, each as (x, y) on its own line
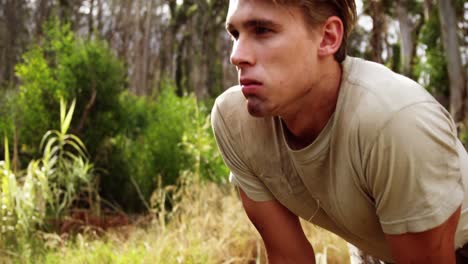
(332, 36)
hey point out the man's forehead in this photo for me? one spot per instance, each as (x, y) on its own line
(240, 10)
(236, 5)
(275, 3)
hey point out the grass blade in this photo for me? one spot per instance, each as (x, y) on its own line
(7, 155)
(67, 121)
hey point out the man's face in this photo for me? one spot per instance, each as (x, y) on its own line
(275, 53)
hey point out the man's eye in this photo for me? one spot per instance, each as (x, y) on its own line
(261, 30)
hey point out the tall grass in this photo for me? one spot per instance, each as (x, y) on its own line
(44, 192)
(207, 225)
(195, 221)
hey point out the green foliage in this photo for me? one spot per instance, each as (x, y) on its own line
(61, 65)
(395, 62)
(22, 200)
(152, 149)
(96, 80)
(434, 69)
(134, 140)
(36, 97)
(8, 114)
(65, 165)
(160, 138)
(45, 190)
(199, 143)
(98, 252)
(463, 134)
(127, 151)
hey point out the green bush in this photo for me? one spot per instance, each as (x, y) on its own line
(123, 153)
(133, 141)
(434, 68)
(149, 147)
(198, 142)
(8, 114)
(161, 138)
(61, 65)
(43, 193)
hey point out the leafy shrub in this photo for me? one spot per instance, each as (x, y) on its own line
(21, 203)
(198, 142)
(61, 65)
(463, 133)
(148, 147)
(8, 114)
(64, 164)
(133, 140)
(46, 190)
(434, 68)
(161, 138)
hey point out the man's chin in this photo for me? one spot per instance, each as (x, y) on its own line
(256, 110)
(256, 107)
(256, 114)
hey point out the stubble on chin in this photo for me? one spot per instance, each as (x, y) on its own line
(256, 107)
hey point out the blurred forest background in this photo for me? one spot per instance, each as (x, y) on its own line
(104, 112)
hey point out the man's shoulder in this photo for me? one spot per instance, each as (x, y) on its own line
(229, 108)
(249, 144)
(383, 88)
(230, 101)
(233, 93)
(230, 114)
(376, 96)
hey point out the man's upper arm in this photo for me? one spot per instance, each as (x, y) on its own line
(432, 246)
(413, 171)
(233, 154)
(413, 174)
(281, 231)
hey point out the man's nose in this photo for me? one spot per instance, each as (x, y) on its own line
(242, 54)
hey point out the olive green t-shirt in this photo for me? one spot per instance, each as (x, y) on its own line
(388, 161)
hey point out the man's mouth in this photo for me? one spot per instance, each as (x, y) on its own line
(250, 87)
(249, 82)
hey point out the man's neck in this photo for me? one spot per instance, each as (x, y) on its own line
(314, 110)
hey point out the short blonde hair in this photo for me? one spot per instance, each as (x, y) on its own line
(318, 11)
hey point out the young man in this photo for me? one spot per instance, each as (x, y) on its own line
(341, 142)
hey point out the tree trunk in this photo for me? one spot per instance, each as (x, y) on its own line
(378, 29)
(428, 6)
(229, 71)
(409, 31)
(113, 24)
(12, 30)
(455, 68)
(91, 18)
(3, 42)
(406, 37)
(136, 58)
(15, 37)
(42, 13)
(144, 89)
(180, 70)
(65, 10)
(125, 28)
(99, 18)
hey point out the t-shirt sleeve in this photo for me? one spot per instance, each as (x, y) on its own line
(413, 170)
(241, 175)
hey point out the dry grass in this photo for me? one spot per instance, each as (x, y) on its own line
(208, 225)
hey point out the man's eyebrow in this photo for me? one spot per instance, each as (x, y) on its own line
(253, 23)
